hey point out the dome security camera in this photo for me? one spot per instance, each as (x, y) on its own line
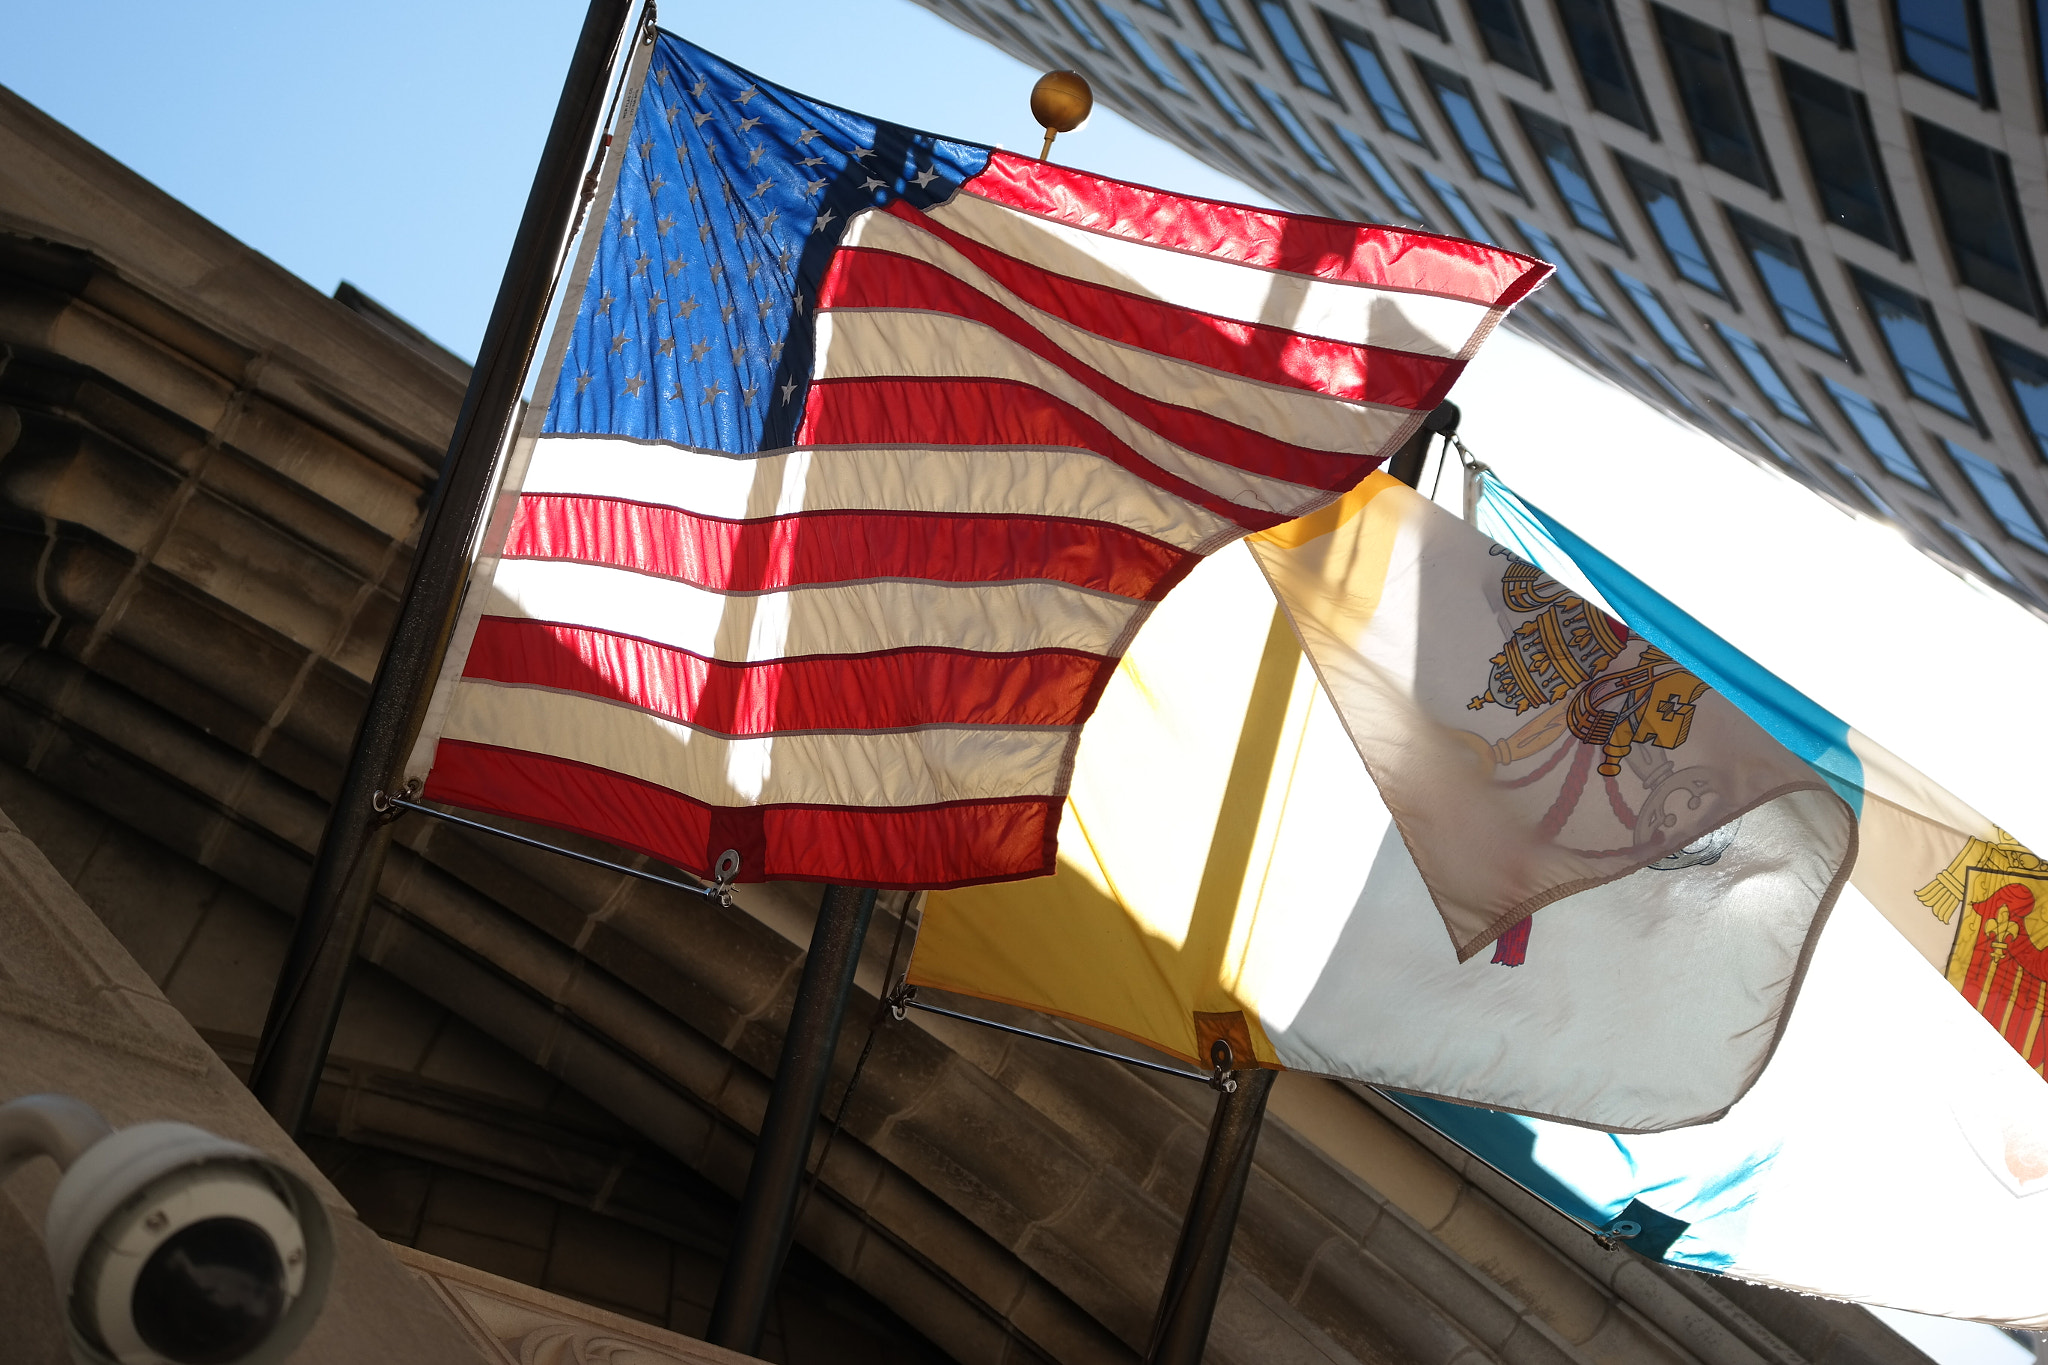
(169, 1245)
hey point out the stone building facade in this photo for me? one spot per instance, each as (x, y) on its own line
(1801, 225)
(210, 480)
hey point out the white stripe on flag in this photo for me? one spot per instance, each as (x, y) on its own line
(972, 480)
(1314, 419)
(874, 768)
(854, 618)
(857, 344)
(1357, 313)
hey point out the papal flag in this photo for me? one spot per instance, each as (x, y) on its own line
(1895, 1150)
(862, 456)
(1647, 865)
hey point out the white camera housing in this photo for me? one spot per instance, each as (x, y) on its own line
(129, 1233)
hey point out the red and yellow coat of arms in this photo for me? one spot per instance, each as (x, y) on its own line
(1999, 960)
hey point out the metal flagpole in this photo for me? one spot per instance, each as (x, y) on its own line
(768, 1209)
(1180, 1331)
(309, 990)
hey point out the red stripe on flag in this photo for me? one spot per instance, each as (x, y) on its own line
(1387, 258)
(883, 281)
(896, 848)
(807, 548)
(1362, 374)
(998, 412)
(892, 690)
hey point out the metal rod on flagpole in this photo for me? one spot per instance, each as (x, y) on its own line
(1180, 1331)
(1187, 1304)
(768, 1208)
(308, 996)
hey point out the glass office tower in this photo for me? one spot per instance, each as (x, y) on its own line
(1801, 225)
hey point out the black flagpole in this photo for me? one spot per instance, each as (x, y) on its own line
(768, 1209)
(1180, 1331)
(309, 991)
(1187, 1305)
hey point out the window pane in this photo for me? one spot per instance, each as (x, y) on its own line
(1764, 373)
(1938, 40)
(2026, 381)
(1222, 27)
(1864, 489)
(1914, 340)
(1505, 31)
(1664, 205)
(1218, 91)
(1834, 129)
(1568, 279)
(1980, 552)
(1293, 45)
(1980, 215)
(1147, 55)
(1818, 15)
(1421, 13)
(1454, 98)
(1024, 42)
(1284, 114)
(1601, 52)
(1664, 385)
(1659, 317)
(1382, 175)
(1080, 25)
(1709, 85)
(1559, 152)
(1877, 433)
(1460, 208)
(1373, 78)
(2004, 501)
(1762, 435)
(1572, 334)
(1780, 266)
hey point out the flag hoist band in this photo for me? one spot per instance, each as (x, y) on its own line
(864, 457)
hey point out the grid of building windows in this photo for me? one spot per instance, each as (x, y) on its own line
(1535, 117)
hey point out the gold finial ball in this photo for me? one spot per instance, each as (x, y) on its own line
(1061, 101)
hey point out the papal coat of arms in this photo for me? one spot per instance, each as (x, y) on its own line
(1558, 665)
(1999, 960)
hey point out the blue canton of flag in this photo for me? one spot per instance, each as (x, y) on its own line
(696, 326)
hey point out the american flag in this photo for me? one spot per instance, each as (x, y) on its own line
(869, 454)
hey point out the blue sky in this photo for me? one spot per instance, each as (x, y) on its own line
(392, 144)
